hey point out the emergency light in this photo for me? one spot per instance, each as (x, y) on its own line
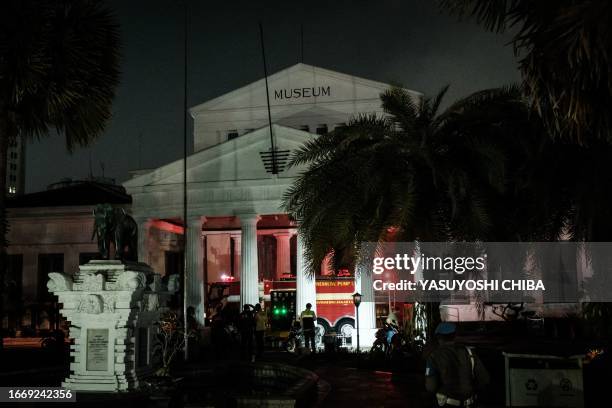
(283, 309)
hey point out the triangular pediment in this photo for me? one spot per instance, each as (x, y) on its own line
(234, 160)
(298, 84)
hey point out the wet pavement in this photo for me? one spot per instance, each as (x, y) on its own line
(370, 389)
(344, 379)
(339, 384)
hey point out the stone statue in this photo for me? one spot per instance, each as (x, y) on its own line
(114, 225)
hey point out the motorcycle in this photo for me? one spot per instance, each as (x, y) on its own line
(381, 342)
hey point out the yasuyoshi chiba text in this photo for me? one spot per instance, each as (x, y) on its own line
(457, 285)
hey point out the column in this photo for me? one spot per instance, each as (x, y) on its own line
(194, 275)
(249, 274)
(144, 226)
(367, 309)
(283, 253)
(235, 239)
(304, 283)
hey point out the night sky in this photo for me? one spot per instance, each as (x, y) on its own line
(397, 41)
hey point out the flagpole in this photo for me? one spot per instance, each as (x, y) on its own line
(185, 221)
(263, 54)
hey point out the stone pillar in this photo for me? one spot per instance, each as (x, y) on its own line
(112, 310)
(195, 267)
(249, 274)
(367, 309)
(144, 226)
(283, 253)
(305, 285)
(235, 239)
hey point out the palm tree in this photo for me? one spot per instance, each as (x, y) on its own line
(59, 69)
(422, 174)
(566, 49)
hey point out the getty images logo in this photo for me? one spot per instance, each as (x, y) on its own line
(405, 262)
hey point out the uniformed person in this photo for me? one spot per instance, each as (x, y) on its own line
(308, 318)
(453, 372)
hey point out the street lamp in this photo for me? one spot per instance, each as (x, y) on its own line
(357, 302)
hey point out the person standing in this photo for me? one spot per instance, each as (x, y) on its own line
(261, 322)
(392, 324)
(453, 372)
(308, 318)
(246, 325)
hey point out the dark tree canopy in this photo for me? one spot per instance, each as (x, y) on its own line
(59, 70)
(565, 50)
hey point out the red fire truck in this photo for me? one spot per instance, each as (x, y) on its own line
(334, 302)
(335, 308)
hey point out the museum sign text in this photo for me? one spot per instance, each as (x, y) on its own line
(306, 92)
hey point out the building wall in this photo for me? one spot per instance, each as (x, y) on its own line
(301, 97)
(161, 242)
(36, 234)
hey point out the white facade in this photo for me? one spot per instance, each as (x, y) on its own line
(301, 97)
(232, 198)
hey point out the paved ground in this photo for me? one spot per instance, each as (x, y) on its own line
(369, 389)
(345, 379)
(339, 383)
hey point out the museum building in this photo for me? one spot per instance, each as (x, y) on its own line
(237, 230)
(239, 237)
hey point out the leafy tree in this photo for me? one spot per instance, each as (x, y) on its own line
(59, 68)
(565, 48)
(484, 169)
(415, 173)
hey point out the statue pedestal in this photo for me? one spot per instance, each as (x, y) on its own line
(112, 307)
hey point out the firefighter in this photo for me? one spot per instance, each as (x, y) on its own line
(308, 318)
(453, 372)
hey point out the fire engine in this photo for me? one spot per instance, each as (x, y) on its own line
(334, 303)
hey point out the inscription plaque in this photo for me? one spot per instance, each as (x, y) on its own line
(97, 350)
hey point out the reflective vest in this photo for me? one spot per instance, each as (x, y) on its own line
(308, 318)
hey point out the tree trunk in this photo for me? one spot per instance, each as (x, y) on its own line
(4, 143)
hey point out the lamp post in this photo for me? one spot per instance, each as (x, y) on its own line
(357, 302)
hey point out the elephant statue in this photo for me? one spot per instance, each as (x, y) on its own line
(114, 225)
